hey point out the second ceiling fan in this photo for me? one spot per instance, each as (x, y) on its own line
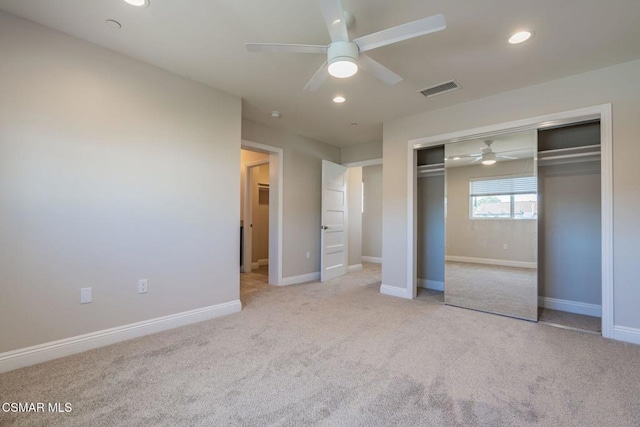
(344, 56)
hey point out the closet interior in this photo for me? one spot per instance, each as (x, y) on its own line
(512, 225)
(570, 249)
(430, 221)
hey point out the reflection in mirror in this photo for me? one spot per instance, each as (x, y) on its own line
(491, 225)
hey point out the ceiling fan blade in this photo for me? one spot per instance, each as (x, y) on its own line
(333, 14)
(507, 157)
(378, 70)
(285, 48)
(318, 78)
(477, 159)
(401, 32)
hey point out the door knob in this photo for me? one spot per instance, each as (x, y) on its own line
(324, 227)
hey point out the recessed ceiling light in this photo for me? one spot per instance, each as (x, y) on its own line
(275, 114)
(519, 37)
(456, 158)
(339, 99)
(354, 124)
(138, 3)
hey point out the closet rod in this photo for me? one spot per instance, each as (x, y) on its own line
(430, 171)
(570, 156)
(558, 150)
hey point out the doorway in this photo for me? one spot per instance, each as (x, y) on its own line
(255, 224)
(364, 192)
(261, 172)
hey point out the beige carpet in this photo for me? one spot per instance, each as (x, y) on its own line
(342, 354)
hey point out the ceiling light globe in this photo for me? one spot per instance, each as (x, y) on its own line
(343, 69)
(519, 37)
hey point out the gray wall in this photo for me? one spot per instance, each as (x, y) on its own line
(354, 210)
(616, 85)
(361, 152)
(372, 215)
(570, 254)
(302, 193)
(430, 228)
(111, 171)
(484, 238)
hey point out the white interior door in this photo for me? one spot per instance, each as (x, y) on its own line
(333, 259)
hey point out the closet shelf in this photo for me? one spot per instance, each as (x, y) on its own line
(584, 153)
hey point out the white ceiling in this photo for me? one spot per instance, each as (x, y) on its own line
(204, 40)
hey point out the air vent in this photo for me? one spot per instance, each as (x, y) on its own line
(438, 89)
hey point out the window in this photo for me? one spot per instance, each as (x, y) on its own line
(504, 198)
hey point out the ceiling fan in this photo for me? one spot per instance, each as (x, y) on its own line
(345, 56)
(487, 155)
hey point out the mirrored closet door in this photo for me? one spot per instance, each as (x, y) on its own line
(491, 213)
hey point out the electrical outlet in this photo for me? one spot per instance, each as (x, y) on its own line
(86, 295)
(308, 254)
(143, 286)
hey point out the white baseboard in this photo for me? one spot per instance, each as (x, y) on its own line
(355, 267)
(489, 261)
(431, 284)
(372, 259)
(394, 291)
(262, 262)
(303, 278)
(53, 350)
(570, 306)
(623, 333)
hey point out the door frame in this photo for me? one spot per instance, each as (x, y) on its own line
(598, 112)
(276, 184)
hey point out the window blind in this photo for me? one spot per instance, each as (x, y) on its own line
(504, 186)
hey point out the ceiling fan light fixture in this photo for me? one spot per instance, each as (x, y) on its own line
(342, 57)
(489, 158)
